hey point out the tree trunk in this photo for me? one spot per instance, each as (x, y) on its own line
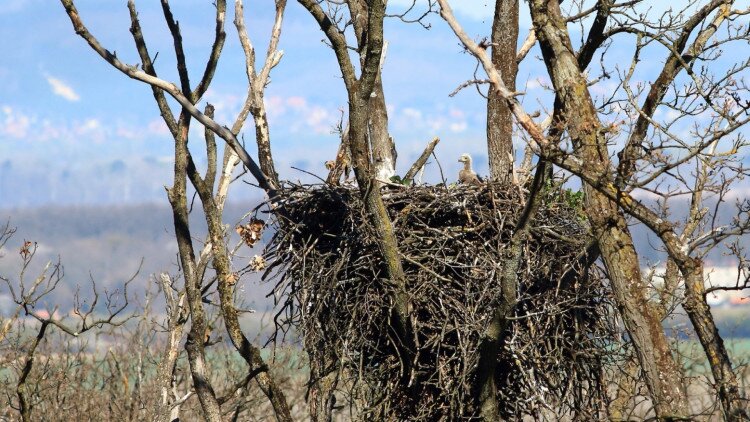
(661, 373)
(494, 334)
(227, 280)
(194, 346)
(359, 90)
(499, 115)
(381, 144)
(700, 316)
(383, 148)
(380, 221)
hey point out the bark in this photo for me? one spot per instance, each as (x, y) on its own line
(661, 373)
(381, 144)
(227, 280)
(263, 138)
(321, 396)
(499, 115)
(494, 335)
(24, 402)
(194, 346)
(383, 149)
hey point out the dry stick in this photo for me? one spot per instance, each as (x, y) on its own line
(256, 85)
(528, 43)
(421, 160)
(24, 402)
(177, 315)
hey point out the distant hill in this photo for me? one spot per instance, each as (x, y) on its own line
(104, 243)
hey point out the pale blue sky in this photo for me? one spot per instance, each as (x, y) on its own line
(74, 130)
(67, 119)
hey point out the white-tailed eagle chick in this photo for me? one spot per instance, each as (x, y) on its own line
(467, 175)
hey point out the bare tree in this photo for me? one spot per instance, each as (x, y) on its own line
(94, 312)
(504, 42)
(609, 193)
(581, 136)
(211, 194)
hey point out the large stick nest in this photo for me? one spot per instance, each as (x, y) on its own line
(453, 241)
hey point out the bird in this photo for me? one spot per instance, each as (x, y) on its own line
(467, 175)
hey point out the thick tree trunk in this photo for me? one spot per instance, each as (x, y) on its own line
(499, 115)
(383, 148)
(321, 399)
(381, 144)
(661, 373)
(380, 221)
(494, 334)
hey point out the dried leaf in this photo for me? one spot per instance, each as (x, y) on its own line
(257, 263)
(232, 279)
(251, 232)
(26, 249)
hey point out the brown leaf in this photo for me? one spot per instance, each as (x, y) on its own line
(251, 232)
(26, 249)
(257, 263)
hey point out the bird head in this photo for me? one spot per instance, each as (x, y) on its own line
(464, 158)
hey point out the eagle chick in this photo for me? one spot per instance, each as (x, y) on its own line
(467, 175)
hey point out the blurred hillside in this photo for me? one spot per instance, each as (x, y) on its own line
(107, 243)
(104, 243)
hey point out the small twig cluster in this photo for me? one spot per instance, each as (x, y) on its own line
(326, 268)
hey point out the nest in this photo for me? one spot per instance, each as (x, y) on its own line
(325, 267)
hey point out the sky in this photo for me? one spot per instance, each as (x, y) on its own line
(74, 130)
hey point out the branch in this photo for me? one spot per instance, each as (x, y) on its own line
(421, 160)
(148, 67)
(171, 89)
(674, 64)
(337, 40)
(518, 112)
(213, 58)
(596, 33)
(174, 29)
